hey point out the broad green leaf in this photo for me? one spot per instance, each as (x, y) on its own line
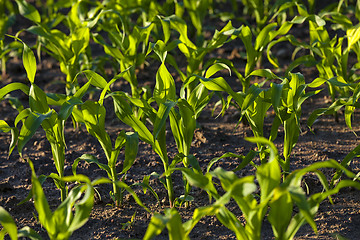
(28, 233)
(281, 208)
(229, 220)
(251, 94)
(83, 209)
(95, 79)
(227, 178)
(131, 150)
(353, 36)
(276, 96)
(199, 180)
(161, 116)
(29, 62)
(4, 126)
(12, 87)
(28, 11)
(349, 110)
(8, 224)
(160, 49)
(31, 124)
(90, 159)
(220, 84)
(38, 100)
(269, 176)
(94, 118)
(41, 203)
(317, 82)
(165, 85)
(266, 73)
(155, 227)
(67, 107)
(125, 114)
(246, 37)
(213, 69)
(174, 225)
(264, 36)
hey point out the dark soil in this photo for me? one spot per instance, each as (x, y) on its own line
(331, 140)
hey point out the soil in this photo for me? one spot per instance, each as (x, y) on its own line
(329, 139)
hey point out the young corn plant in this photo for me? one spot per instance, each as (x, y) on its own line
(183, 116)
(255, 50)
(10, 228)
(197, 11)
(287, 98)
(276, 201)
(93, 115)
(164, 98)
(66, 49)
(61, 223)
(8, 17)
(265, 12)
(40, 114)
(156, 138)
(126, 47)
(332, 53)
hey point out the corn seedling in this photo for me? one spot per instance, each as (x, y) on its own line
(276, 198)
(10, 228)
(93, 115)
(67, 49)
(7, 16)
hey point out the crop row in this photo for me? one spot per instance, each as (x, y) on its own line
(134, 33)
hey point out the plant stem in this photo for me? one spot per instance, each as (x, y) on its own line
(117, 191)
(170, 187)
(3, 61)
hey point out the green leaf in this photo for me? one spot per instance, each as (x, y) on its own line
(161, 116)
(13, 87)
(41, 203)
(29, 233)
(165, 85)
(281, 208)
(264, 36)
(67, 107)
(220, 84)
(349, 110)
(95, 79)
(31, 124)
(353, 36)
(38, 100)
(269, 176)
(155, 227)
(131, 150)
(8, 224)
(215, 68)
(125, 114)
(82, 209)
(94, 118)
(28, 11)
(90, 159)
(29, 62)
